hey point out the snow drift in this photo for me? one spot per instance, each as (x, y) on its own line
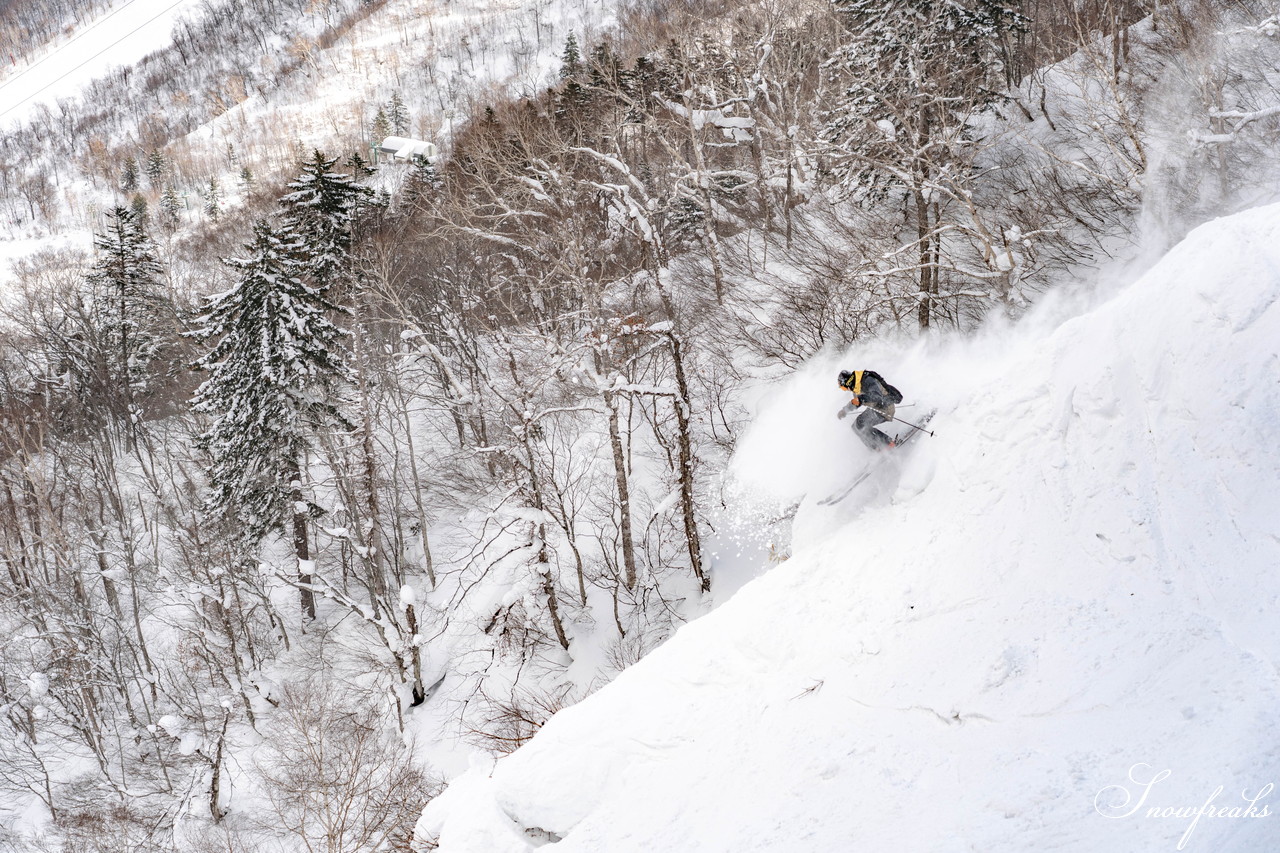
(1003, 645)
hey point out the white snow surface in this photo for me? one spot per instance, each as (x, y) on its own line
(1069, 590)
(122, 35)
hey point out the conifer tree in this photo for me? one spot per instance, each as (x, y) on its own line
(125, 308)
(398, 115)
(646, 76)
(606, 67)
(422, 182)
(571, 59)
(213, 200)
(572, 98)
(156, 168)
(138, 204)
(360, 167)
(277, 365)
(129, 175)
(171, 207)
(381, 125)
(320, 214)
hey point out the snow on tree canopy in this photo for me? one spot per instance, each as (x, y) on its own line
(276, 365)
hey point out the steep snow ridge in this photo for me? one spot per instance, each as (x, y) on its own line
(1072, 587)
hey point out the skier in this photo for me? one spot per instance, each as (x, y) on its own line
(871, 390)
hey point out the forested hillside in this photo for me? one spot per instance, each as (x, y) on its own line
(321, 476)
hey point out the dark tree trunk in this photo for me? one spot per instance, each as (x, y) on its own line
(415, 663)
(306, 597)
(624, 491)
(215, 784)
(686, 467)
(928, 285)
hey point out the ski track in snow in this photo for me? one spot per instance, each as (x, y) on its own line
(1073, 582)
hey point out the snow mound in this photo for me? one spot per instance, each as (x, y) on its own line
(1072, 589)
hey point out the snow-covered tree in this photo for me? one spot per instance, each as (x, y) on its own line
(129, 175)
(320, 213)
(138, 204)
(213, 200)
(572, 98)
(124, 306)
(398, 114)
(157, 166)
(571, 59)
(381, 125)
(422, 182)
(360, 167)
(171, 207)
(277, 366)
(914, 73)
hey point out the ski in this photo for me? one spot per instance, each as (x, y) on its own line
(916, 429)
(843, 493)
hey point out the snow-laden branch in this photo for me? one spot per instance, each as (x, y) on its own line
(536, 189)
(615, 164)
(1269, 27)
(646, 390)
(1241, 119)
(460, 392)
(737, 128)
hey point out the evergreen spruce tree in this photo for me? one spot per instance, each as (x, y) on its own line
(129, 175)
(685, 218)
(157, 166)
(606, 67)
(571, 59)
(246, 178)
(138, 204)
(398, 115)
(171, 207)
(572, 98)
(381, 125)
(126, 308)
(277, 365)
(920, 63)
(320, 214)
(213, 200)
(645, 76)
(422, 182)
(360, 167)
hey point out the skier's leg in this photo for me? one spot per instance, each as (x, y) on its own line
(866, 425)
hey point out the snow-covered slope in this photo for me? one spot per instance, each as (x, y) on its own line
(1070, 590)
(120, 36)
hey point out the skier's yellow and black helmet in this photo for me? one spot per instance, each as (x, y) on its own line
(846, 376)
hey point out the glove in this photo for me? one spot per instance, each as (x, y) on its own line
(843, 413)
(856, 402)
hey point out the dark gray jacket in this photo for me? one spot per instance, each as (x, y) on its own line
(873, 391)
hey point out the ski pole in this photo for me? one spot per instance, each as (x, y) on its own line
(927, 432)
